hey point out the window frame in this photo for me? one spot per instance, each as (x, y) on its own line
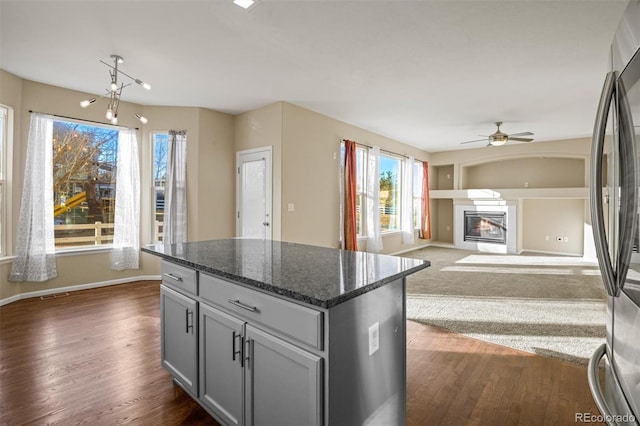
(6, 174)
(155, 188)
(361, 161)
(399, 207)
(417, 194)
(79, 249)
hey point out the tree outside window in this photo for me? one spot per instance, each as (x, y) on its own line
(160, 145)
(84, 183)
(389, 193)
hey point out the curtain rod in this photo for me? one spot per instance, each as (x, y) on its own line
(82, 119)
(384, 150)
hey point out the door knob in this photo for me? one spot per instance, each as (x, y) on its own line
(265, 223)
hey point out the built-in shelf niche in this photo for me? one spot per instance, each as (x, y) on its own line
(442, 177)
(538, 172)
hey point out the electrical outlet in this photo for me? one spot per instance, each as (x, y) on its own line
(374, 338)
(546, 238)
(290, 207)
(565, 239)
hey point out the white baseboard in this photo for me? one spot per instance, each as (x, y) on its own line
(553, 252)
(409, 249)
(50, 291)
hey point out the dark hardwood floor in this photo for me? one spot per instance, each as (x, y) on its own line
(93, 357)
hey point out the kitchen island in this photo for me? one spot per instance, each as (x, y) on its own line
(268, 332)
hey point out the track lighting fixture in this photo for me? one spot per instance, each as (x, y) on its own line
(114, 92)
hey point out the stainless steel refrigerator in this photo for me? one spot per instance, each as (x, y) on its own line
(615, 169)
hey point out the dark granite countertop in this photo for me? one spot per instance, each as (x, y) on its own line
(320, 276)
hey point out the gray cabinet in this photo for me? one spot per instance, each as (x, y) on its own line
(221, 364)
(282, 382)
(249, 376)
(179, 338)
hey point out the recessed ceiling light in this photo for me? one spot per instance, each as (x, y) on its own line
(245, 4)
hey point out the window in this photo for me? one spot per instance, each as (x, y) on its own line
(417, 193)
(4, 163)
(390, 172)
(390, 168)
(84, 183)
(160, 143)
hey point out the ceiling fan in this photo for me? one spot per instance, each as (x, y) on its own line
(500, 138)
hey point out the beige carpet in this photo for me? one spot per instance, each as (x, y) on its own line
(544, 304)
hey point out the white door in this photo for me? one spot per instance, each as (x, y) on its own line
(253, 195)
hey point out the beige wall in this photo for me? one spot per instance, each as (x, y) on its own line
(552, 219)
(209, 157)
(443, 221)
(533, 172)
(260, 128)
(310, 174)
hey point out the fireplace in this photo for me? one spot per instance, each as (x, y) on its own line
(486, 227)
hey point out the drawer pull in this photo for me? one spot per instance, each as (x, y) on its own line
(173, 277)
(239, 304)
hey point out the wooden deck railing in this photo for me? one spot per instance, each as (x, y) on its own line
(100, 234)
(98, 237)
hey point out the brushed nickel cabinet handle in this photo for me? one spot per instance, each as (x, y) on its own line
(173, 277)
(239, 304)
(188, 320)
(240, 349)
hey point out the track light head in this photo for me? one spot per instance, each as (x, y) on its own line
(87, 102)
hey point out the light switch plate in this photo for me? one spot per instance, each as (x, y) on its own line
(290, 207)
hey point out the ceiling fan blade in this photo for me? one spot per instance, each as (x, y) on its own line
(477, 140)
(521, 134)
(520, 139)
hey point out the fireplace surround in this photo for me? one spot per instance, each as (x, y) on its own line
(488, 227)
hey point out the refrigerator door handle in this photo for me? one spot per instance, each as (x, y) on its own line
(595, 199)
(628, 188)
(593, 376)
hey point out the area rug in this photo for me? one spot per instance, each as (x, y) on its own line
(549, 305)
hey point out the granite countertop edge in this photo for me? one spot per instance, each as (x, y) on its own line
(321, 303)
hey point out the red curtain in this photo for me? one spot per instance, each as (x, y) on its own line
(350, 171)
(425, 222)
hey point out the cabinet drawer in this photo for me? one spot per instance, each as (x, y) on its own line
(179, 277)
(289, 319)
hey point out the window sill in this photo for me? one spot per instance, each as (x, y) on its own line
(75, 251)
(6, 259)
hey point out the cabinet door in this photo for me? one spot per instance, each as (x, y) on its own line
(221, 361)
(179, 338)
(283, 383)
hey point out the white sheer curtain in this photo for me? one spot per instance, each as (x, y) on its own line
(407, 202)
(374, 235)
(175, 202)
(126, 237)
(35, 240)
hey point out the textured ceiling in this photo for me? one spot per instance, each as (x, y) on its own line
(427, 73)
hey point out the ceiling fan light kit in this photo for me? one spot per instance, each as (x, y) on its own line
(500, 138)
(114, 92)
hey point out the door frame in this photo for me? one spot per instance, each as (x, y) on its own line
(267, 152)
